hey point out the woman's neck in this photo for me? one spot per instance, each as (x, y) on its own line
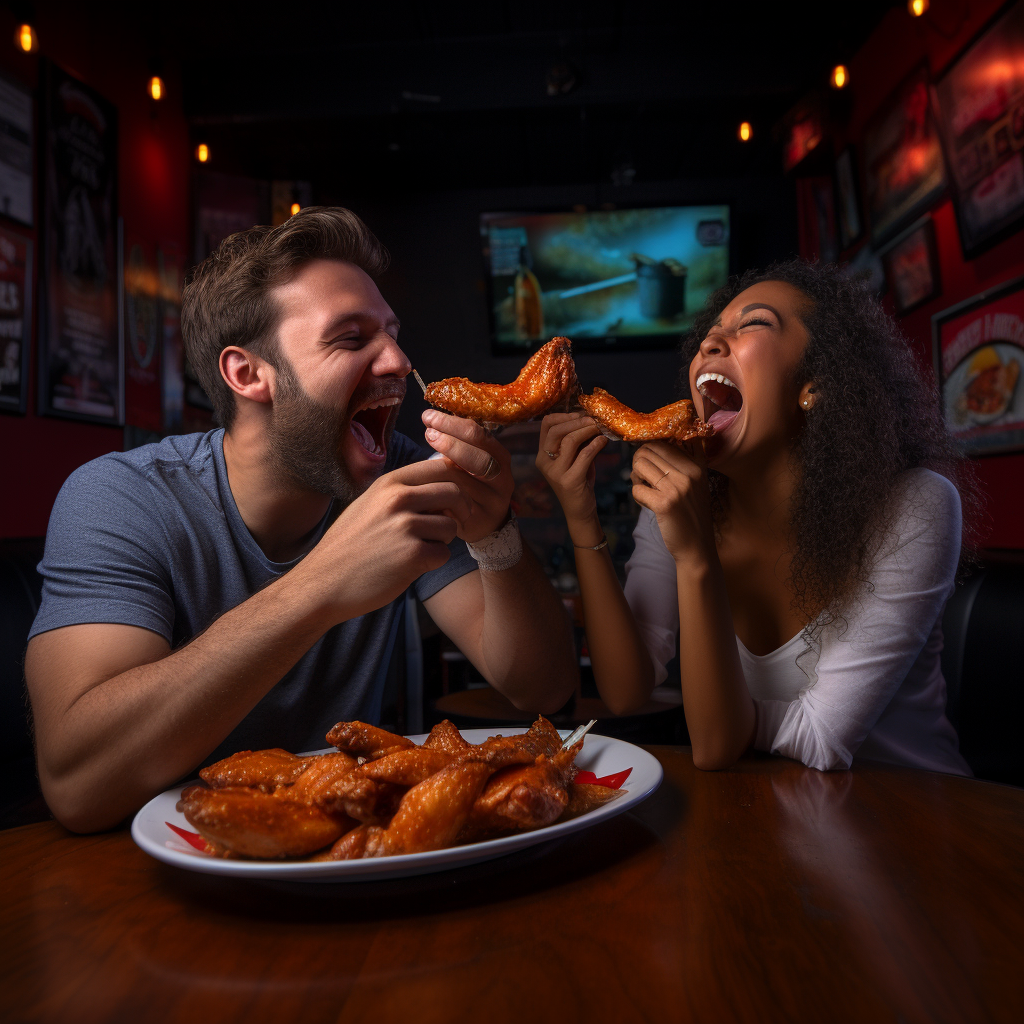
(761, 497)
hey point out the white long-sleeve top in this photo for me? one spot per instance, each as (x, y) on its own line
(872, 685)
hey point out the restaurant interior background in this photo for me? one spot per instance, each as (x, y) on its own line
(421, 117)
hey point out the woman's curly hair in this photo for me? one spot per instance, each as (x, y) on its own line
(875, 416)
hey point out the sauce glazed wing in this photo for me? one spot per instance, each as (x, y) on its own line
(676, 422)
(548, 378)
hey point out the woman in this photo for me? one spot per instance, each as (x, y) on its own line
(805, 553)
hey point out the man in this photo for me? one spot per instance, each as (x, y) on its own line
(239, 589)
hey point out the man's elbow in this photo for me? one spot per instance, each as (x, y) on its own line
(78, 809)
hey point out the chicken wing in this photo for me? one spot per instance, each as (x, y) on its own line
(323, 772)
(260, 769)
(548, 378)
(444, 736)
(245, 822)
(358, 739)
(524, 748)
(676, 422)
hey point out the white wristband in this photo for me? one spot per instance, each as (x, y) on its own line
(500, 550)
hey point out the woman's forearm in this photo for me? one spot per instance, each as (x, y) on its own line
(621, 663)
(720, 713)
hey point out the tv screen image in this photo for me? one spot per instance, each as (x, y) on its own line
(606, 279)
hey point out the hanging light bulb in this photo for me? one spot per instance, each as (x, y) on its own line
(25, 38)
(156, 87)
(295, 208)
(746, 132)
(202, 152)
(840, 76)
(917, 7)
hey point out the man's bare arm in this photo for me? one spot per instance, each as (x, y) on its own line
(119, 718)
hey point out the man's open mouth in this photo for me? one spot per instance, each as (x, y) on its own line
(370, 424)
(722, 399)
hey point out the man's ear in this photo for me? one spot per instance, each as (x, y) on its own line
(247, 374)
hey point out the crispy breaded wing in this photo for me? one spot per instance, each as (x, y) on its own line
(676, 422)
(444, 736)
(499, 751)
(585, 796)
(320, 775)
(357, 739)
(548, 378)
(245, 822)
(260, 769)
(521, 797)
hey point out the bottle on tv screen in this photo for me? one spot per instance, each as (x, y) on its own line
(607, 279)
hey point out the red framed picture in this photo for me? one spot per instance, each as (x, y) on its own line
(979, 359)
(912, 266)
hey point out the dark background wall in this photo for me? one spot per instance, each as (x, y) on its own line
(39, 452)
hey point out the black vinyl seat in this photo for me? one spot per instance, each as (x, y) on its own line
(20, 800)
(983, 662)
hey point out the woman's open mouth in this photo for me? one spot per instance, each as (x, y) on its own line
(722, 400)
(369, 425)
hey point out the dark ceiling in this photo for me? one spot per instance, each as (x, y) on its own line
(448, 95)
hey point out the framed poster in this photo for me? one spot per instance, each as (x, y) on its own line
(912, 266)
(979, 357)
(980, 102)
(903, 159)
(816, 221)
(801, 131)
(16, 138)
(81, 373)
(15, 314)
(848, 211)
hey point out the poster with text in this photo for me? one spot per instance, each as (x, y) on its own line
(979, 356)
(16, 130)
(15, 311)
(981, 113)
(80, 363)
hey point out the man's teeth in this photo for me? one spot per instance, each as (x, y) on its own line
(383, 403)
(705, 377)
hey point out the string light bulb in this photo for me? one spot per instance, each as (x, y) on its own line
(840, 76)
(156, 87)
(25, 38)
(917, 7)
(202, 152)
(295, 208)
(746, 132)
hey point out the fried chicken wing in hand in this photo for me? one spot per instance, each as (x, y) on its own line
(676, 422)
(547, 379)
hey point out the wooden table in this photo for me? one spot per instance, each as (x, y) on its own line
(769, 892)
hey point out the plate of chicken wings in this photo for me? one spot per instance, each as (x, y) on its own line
(377, 805)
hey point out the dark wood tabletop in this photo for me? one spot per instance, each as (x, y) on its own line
(770, 892)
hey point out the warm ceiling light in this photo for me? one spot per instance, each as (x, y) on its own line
(745, 132)
(295, 208)
(840, 76)
(156, 87)
(917, 7)
(25, 38)
(202, 152)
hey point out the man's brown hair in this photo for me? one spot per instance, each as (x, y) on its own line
(226, 299)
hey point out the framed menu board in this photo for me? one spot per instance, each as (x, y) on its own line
(15, 313)
(980, 104)
(979, 359)
(80, 347)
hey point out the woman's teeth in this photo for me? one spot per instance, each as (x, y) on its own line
(720, 378)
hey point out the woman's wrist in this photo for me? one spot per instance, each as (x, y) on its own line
(586, 533)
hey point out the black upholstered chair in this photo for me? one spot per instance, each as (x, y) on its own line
(983, 663)
(20, 584)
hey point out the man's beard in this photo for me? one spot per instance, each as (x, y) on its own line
(306, 440)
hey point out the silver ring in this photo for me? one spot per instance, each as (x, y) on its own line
(551, 455)
(492, 470)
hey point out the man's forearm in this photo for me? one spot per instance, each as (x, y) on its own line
(129, 737)
(526, 639)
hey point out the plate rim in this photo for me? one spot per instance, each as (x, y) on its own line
(400, 865)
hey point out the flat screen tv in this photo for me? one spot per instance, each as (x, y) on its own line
(608, 279)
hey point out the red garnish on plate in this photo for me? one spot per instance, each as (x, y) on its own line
(192, 838)
(611, 781)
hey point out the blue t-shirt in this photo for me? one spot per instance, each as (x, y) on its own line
(153, 538)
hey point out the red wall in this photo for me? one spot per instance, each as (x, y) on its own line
(111, 56)
(897, 46)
